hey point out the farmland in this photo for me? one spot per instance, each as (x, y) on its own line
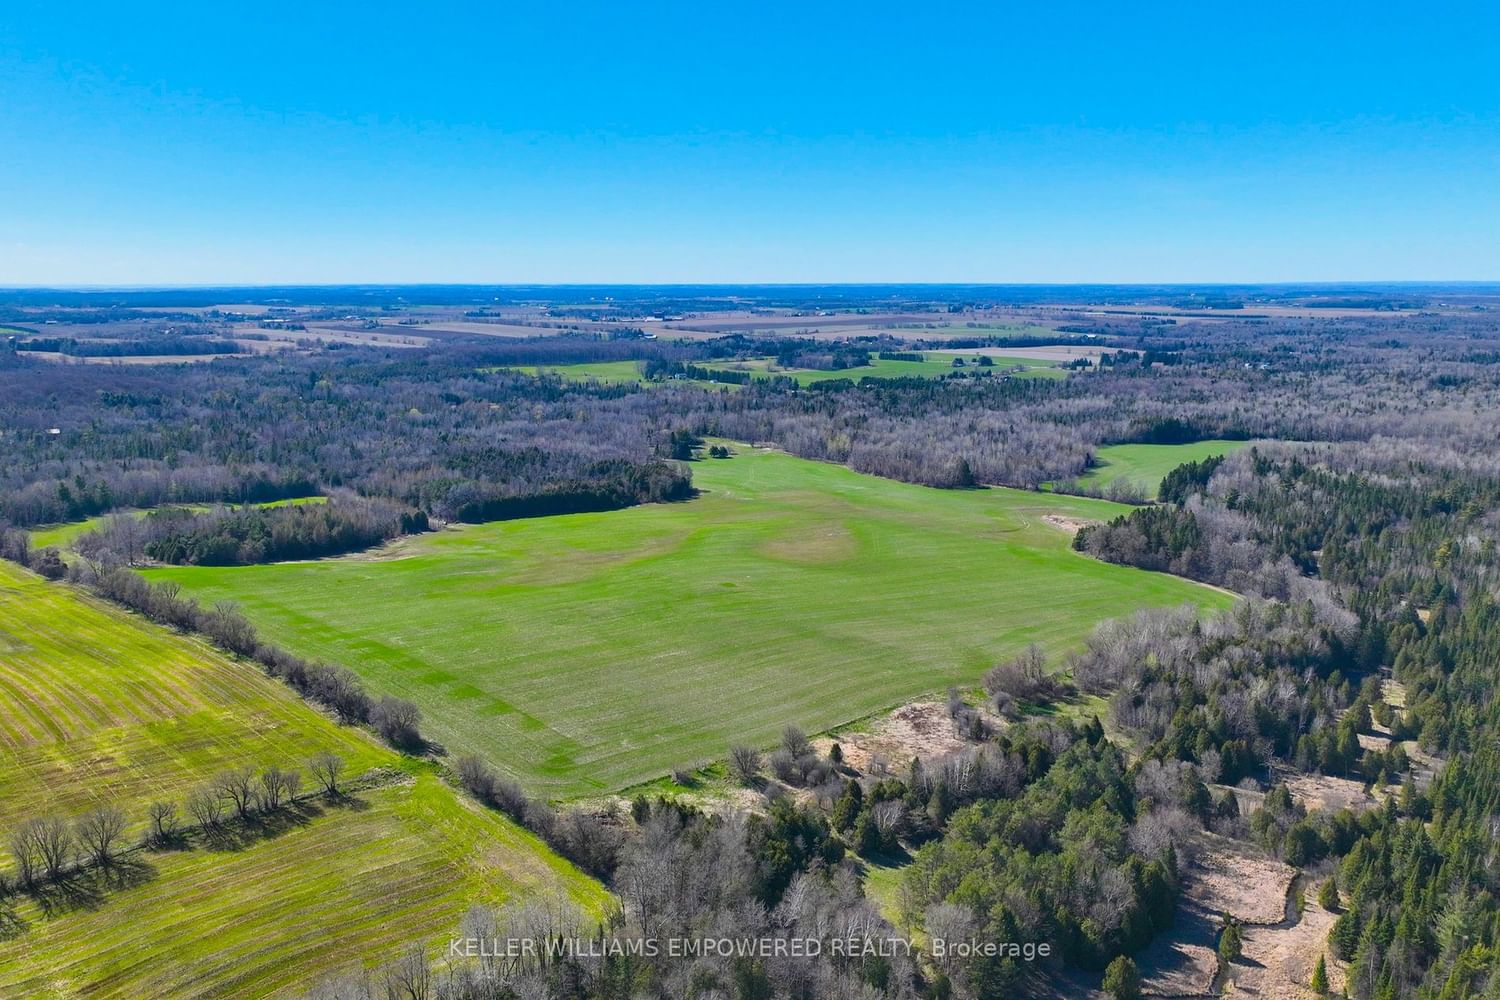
(97, 707)
(1144, 465)
(932, 365)
(343, 882)
(589, 652)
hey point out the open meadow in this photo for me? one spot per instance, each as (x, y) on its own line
(589, 652)
(96, 706)
(1145, 465)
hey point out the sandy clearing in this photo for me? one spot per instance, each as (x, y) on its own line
(920, 729)
(1069, 524)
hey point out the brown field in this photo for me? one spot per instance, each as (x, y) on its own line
(1278, 961)
(1225, 876)
(144, 359)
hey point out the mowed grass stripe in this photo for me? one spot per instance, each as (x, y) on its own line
(589, 652)
(351, 885)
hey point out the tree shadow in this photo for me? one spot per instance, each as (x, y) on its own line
(245, 833)
(89, 888)
(12, 924)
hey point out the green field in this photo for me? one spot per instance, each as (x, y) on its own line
(1145, 465)
(599, 371)
(96, 706)
(931, 366)
(100, 707)
(349, 884)
(63, 535)
(589, 652)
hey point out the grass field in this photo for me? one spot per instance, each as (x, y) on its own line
(96, 706)
(589, 652)
(63, 535)
(346, 883)
(931, 366)
(1146, 464)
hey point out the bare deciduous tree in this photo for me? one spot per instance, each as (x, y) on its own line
(238, 786)
(99, 833)
(27, 853)
(206, 805)
(163, 818)
(744, 764)
(326, 768)
(54, 844)
(276, 787)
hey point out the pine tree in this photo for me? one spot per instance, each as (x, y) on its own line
(1328, 895)
(1122, 980)
(1231, 942)
(1319, 984)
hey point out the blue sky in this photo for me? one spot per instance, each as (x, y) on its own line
(560, 142)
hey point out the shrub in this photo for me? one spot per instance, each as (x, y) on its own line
(1122, 980)
(396, 720)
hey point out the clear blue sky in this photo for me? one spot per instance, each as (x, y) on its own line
(556, 142)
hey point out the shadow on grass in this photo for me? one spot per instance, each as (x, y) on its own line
(12, 924)
(89, 888)
(244, 832)
(241, 833)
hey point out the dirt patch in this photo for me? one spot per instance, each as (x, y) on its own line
(1069, 524)
(818, 545)
(921, 729)
(1319, 791)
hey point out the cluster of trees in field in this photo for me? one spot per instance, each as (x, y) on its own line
(245, 535)
(659, 369)
(52, 849)
(604, 485)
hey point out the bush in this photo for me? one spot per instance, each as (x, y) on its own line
(48, 563)
(396, 720)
